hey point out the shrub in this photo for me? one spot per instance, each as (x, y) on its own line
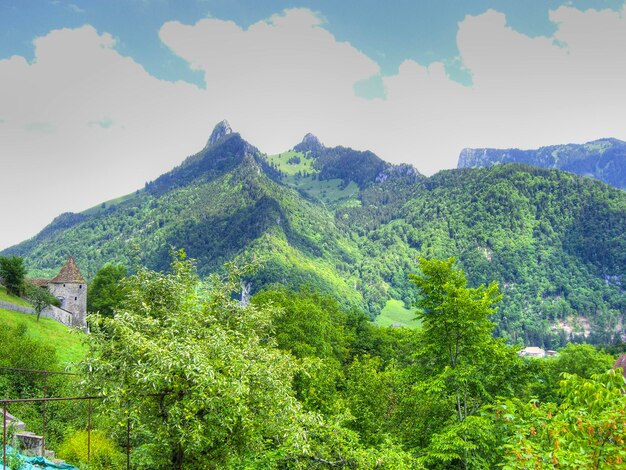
(104, 452)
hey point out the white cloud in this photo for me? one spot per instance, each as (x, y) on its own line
(283, 77)
(277, 79)
(82, 123)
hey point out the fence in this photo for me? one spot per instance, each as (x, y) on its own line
(44, 400)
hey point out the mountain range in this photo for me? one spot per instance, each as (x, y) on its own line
(604, 159)
(351, 225)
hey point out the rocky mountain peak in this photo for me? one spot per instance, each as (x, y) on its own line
(220, 130)
(309, 143)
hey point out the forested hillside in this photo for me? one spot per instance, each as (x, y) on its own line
(352, 226)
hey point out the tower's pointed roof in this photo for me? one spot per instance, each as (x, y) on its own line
(621, 363)
(69, 273)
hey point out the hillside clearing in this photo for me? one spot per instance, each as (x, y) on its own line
(68, 343)
(6, 297)
(394, 313)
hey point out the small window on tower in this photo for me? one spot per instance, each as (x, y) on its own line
(63, 285)
(80, 286)
(75, 298)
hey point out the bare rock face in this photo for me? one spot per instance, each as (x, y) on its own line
(604, 159)
(403, 171)
(309, 143)
(220, 130)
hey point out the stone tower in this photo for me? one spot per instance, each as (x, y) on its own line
(70, 288)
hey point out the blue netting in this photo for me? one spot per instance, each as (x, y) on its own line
(34, 463)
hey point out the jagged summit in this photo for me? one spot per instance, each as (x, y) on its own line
(220, 130)
(309, 143)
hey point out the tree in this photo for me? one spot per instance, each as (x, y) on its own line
(581, 359)
(587, 430)
(307, 323)
(197, 377)
(40, 298)
(106, 291)
(459, 369)
(12, 272)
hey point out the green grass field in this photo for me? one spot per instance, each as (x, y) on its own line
(395, 313)
(329, 191)
(282, 161)
(11, 298)
(111, 203)
(68, 343)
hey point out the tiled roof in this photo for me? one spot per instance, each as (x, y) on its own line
(39, 282)
(69, 273)
(621, 363)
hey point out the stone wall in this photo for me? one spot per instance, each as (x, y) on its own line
(49, 312)
(15, 308)
(73, 299)
(59, 315)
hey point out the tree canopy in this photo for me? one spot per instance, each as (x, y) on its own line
(12, 273)
(106, 292)
(198, 377)
(460, 368)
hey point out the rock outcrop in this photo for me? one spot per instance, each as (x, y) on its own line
(220, 130)
(309, 143)
(603, 159)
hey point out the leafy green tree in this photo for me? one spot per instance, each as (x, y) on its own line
(459, 369)
(204, 384)
(12, 273)
(40, 298)
(581, 359)
(106, 291)
(197, 377)
(587, 430)
(371, 395)
(307, 323)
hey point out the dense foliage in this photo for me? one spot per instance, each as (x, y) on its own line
(198, 378)
(12, 272)
(295, 380)
(106, 291)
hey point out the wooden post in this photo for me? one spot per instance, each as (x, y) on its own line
(43, 414)
(89, 431)
(4, 436)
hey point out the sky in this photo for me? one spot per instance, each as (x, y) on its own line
(96, 98)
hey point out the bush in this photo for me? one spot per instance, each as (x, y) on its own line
(104, 452)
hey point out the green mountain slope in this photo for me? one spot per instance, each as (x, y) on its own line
(219, 205)
(352, 225)
(554, 242)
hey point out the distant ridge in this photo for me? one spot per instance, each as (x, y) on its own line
(603, 159)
